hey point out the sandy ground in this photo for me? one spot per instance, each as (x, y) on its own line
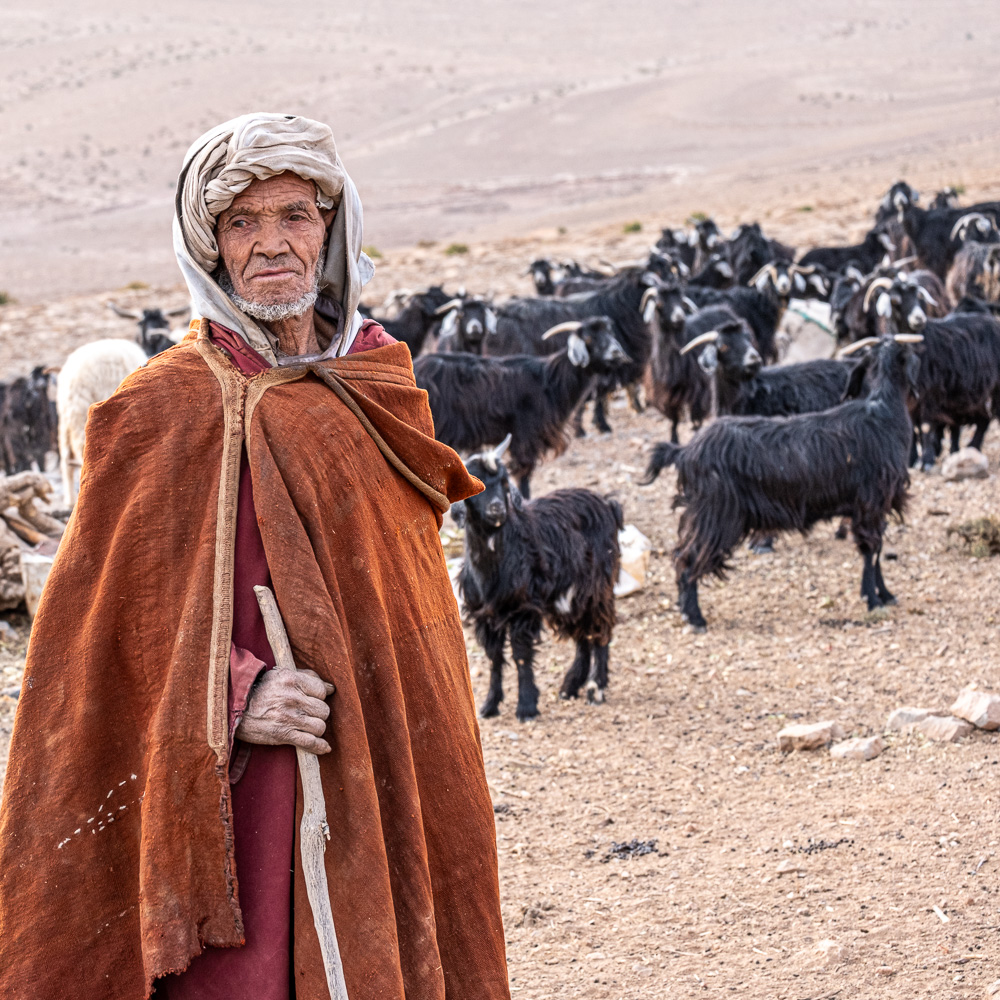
(482, 122)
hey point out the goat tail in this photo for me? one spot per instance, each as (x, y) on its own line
(664, 455)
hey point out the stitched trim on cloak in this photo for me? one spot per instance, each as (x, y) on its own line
(233, 390)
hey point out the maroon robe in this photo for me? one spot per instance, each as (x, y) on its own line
(263, 778)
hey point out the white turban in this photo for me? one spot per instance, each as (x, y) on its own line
(222, 164)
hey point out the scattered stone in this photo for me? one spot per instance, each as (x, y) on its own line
(981, 708)
(7, 631)
(11, 692)
(829, 950)
(865, 748)
(788, 865)
(885, 970)
(944, 728)
(993, 989)
(809, 737)
(907, 717)
(967, 463)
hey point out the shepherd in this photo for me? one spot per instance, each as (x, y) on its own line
(148, 831)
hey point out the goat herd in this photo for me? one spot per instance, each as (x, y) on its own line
(694, 329)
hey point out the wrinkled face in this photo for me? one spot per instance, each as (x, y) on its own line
(271, 239)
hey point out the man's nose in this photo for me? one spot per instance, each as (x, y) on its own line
(271, 241)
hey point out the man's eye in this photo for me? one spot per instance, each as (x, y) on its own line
(237, 223)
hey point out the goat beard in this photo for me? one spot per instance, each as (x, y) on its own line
(272, 312)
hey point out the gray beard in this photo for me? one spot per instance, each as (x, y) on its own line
(272, 312)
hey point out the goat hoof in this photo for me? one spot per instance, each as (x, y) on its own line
(489, 711)
(888, 599)
(927, 467)
(595, 695)
(528, 712)
(762, 550)
(568, 694)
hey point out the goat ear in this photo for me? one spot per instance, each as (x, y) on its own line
(516, 500)
(577, 350)
(818, 283)
(491, 320)
(458, 513)
(856, 382)
(689, 307)
(883, 305)
(800, 283)
(708, 360)
(449, 325)
(650, 311)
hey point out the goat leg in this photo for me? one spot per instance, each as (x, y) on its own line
(761, 544)
(492, 641)
(932, 447)
(598, 679)
(977, 438)
(634, 391)
(880, 588)
(523, 636)
(955, 431)
(578, 671)
(600, 420)
(688, 600)
(868, 591)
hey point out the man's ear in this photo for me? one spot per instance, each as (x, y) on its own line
(328, 214)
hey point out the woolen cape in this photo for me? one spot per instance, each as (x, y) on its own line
(116, 847)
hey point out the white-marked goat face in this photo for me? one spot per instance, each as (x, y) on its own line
(917, 318)
(490, 508)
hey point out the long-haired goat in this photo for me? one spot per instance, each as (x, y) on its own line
(476, 401)
(553, 560)
(745, 475)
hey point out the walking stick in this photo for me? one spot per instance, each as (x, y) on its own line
(314, 831)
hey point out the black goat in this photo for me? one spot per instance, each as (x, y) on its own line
(975, 273)
(865, 256)
(476, 401)
(154, 326)
(27, 421)
(555, 561)
(750, 251)
(744, 475)
(675, 382)
(762, 305)
(521, 323)
(743, 387)
(906, 301)
(417, 319)
(540, 272)
(938, 234)
(680, 244)
(465, 323)
(716, 273)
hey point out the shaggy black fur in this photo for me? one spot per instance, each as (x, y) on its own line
(553, 560)
(865, 256)
(477, 401)
(742, 475)
(417, 318)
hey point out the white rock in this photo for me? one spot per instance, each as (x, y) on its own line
(944, 728)
(967, 463)
(865, 748)
(809, 737)
(907, 717)
(788, 865)
(981, 708)
(829, 950)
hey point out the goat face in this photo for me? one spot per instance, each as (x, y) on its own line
(489, 510)
(541, 274)
(708, 234)
(776, 277)
(669, 308)
(731, 349)
(595, 347)
(908, 300)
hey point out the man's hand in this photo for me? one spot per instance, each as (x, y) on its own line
(288, 706)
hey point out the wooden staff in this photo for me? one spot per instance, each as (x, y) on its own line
(314, 831)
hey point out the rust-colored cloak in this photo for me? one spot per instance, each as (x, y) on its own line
(116, 855)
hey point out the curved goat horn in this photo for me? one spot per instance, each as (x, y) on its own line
(858, 345)
(649, 293)
(766, 269)
(966, 220)
(124, 313)
(448, 306)
(799, 269)
(568, 326)
(498, 452)
(706, 338)
(874, 287)
(908, 338)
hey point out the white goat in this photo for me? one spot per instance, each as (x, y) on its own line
(91, 374)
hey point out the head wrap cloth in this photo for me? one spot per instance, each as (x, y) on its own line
(221, 165)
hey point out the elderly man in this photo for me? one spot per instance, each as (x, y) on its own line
(148, 834)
